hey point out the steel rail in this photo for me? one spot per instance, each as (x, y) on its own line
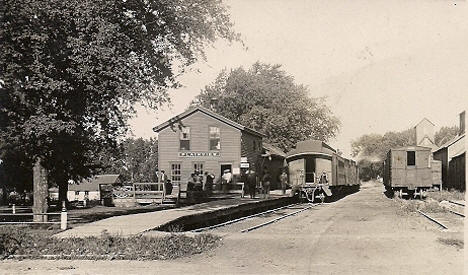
(242, 218)
(456, 213)
(277, 219)
(432, 219)
(457, 203)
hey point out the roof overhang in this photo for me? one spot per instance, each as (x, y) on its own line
(209, 113)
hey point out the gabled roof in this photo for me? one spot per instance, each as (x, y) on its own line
(273, 150)
(451, 142)
(424, 120)
(93, 183)
(208, 113)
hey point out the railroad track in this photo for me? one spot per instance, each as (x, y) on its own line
(308, 206)
(456, 203)
(276, 219)
(432, 219)
(442, 220)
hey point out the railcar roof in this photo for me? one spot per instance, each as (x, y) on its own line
(311, 146)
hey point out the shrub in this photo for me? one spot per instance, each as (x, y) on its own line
(10, 240)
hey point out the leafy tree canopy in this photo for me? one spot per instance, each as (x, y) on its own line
(266, 99)
(71, 70)
(445, 134)
(137, 160)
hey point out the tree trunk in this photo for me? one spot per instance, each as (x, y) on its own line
(41, 192)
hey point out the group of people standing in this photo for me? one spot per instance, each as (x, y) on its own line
(200, 182)
(263, 183)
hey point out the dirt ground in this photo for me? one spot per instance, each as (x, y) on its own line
(363, 233)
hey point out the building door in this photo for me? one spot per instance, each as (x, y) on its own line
(225, 167)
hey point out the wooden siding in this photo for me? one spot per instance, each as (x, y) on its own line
(457, 176)
(442, 155)
(252, 153)
(199, 123)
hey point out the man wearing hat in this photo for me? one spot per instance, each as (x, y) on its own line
(226, 179)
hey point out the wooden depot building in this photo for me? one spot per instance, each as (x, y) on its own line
(202, 140)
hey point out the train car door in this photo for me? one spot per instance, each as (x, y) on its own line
(324, 165)
(296, 172)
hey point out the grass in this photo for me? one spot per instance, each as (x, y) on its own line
(22, 242)
(452, 242)
(411, 206)
(446, 195)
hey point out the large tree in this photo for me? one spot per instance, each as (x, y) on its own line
(266, 99)
(72, 70)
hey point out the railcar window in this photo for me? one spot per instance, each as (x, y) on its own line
(410, 158)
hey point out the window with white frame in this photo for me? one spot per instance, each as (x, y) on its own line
(185, 138)
(175, 173)
(215, 138)
(198, 166)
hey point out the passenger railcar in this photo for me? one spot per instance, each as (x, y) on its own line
(316, 171)
(411, 171)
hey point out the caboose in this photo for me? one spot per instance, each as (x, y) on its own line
(316, 171)
(411, 171)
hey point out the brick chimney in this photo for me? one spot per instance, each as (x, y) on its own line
(462, 123)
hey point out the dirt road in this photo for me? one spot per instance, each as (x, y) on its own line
(362, 233)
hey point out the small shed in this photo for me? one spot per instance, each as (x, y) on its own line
(408, 168)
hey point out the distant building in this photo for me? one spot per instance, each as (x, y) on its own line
(425, 134)
(202, 140)
(95, 188)
(453, 157)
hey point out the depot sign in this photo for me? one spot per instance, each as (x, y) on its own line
(199, 154)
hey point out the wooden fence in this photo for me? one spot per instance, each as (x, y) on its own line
(16, 212)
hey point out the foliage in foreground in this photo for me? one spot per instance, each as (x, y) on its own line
(18, 242)
(411, 206)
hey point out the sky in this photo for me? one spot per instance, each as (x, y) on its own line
(382, 65)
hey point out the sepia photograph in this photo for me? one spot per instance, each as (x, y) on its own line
(233, 136)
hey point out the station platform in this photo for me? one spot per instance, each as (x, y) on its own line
(128, 225)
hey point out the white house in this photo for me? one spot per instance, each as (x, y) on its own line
(93, 188)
